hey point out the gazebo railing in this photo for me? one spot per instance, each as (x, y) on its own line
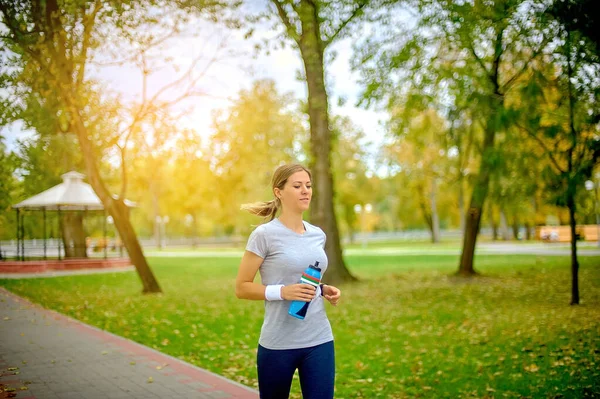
(53, 248)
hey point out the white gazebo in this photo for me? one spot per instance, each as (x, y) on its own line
(70, 195)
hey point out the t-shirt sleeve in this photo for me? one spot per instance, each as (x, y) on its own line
(257, 242)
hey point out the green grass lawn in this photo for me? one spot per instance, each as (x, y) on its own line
(407, 329)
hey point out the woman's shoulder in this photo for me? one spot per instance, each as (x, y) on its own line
(264, 228)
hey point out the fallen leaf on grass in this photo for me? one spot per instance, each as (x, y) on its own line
(532, 368)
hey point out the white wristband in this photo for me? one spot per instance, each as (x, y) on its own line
(273, 292)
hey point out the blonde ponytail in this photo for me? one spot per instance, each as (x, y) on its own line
(265, 209)
(269, 209)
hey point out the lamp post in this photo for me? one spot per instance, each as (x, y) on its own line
(165, 220)
(590, 185)
(161, 231)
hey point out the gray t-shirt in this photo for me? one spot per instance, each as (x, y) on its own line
(286, 255)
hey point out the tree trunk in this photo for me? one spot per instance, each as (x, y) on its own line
(322, 212)
(504, 226)
(194, 230)
(527, 231)
(480, 190)
(73, 235)
(515, 229)
(435, 220)
(574, 261)
(116, 208)
(425, 209)
(493, 222)
(571, 186)
(461, 205)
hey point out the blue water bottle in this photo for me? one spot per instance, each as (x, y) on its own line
(312, 276)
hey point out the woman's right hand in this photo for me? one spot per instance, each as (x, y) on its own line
(298, 292)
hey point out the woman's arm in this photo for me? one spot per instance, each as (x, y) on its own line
(246, 288)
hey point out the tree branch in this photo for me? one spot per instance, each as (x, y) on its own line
(148, 46)
(542, 144)
(345, 23)
(477, 58)
(284, 17)
(518, 74)
(89, 22)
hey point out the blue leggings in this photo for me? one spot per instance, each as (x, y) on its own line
(316, 369)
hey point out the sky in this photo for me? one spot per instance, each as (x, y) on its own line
(237, 69)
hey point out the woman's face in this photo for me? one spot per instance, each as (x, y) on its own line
(296, 193)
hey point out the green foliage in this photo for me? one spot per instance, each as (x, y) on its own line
(352, 186)
(9, 188)
(579, 15)
(407, 330)
(261, 130)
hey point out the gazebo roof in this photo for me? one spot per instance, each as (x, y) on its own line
(71, 194)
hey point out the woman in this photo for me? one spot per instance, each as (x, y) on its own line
(281, 250)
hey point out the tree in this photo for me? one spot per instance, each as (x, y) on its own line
(50, 46)
(578, 16)
(261, 131)
(312, 26)
(8, 188)
(456, 46)
(420, 149)
(562, 118)
(352, 185)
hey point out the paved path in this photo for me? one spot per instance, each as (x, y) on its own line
(46, 355)
(59, 273)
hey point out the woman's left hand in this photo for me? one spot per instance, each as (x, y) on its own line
(332, 294)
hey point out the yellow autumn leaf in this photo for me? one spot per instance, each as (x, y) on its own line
(532, 368)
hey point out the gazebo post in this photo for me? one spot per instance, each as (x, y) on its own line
(23, 236)
(84, 232)
(18, 236)
(59, 231)
(45, 246)
(104, 228)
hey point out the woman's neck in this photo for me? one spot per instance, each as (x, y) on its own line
(292, 221)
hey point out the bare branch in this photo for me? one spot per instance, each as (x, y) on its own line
(172, 33)
(123, 172)
(518, 74)
(345, 23)
(89, 22)
(477, 58)
(291, 29)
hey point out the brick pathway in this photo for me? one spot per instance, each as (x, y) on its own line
(46, 355)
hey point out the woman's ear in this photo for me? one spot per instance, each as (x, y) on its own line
(277, 192)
